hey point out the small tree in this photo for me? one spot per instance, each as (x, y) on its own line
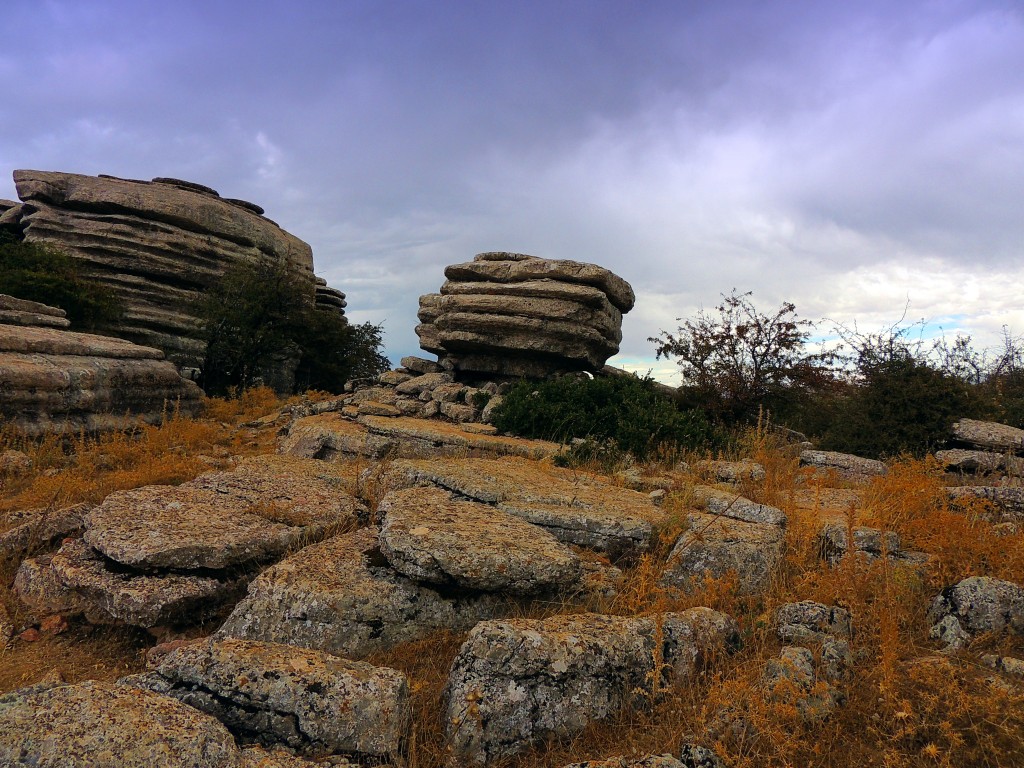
(262, 315)
(42, 273)
(738, 360)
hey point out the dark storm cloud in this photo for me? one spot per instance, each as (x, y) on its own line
(810, 151)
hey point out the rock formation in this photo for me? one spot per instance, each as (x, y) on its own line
(509, 314)
(157, 244)
(56, 380)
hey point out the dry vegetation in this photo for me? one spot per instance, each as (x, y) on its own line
(906, 704)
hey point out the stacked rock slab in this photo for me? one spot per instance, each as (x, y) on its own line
(158, 244)
(509, 314)
(56, 380)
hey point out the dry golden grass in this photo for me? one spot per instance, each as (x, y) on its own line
(906, 705)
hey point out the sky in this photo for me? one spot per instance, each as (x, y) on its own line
(863, 160)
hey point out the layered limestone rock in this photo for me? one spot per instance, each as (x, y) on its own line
(56, 380)
(309, 701)
(158, 244)
(520, 681)
(509, 314)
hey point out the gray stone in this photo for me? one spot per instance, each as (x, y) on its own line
(1006, 502)
(716, 546)
(341, 596)
(736, 507)
(982, 604)
(989, 434)
(431, 537)
(419, 365)
(576, 508)
(950, 633)
(833, 542)
(811, 621)
(845, 464)
(35, 530)
(962, 460)
(94, 724)
(428, 381)
(326, 436)
(744, 470)
(307, 700)
(518, 682)
(791, 679)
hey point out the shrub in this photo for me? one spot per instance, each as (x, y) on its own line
(42, 273)
(740, 361)
(625, 409)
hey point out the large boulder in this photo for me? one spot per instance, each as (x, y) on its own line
(342, 596)
(307, 700)
(510, 314)
(157, 244)
(989, 435)
(520, 681)
(56, 380)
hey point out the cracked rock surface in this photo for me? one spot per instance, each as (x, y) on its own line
(430, 536)
(101, 724)
(977, 604)
(576, 508)
(342, 596)
(517, 682)
(307, 700)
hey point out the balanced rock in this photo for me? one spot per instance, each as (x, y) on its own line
(101, 724)
(56, 380)
(520, 681)
(342, 597)
(157, 245)
(307, 700)
(431, 537)
(511, 314)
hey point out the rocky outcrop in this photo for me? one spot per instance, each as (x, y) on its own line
(157, 245)
(520, 681)
(56, 380)
(163, 555)
(342, 596)
(1005, 502)
(509, 314)
(306, 700)
(975, 605)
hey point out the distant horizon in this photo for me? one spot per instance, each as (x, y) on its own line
(851, 159)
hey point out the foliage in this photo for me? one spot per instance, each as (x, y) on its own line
(899, 399)
(261, 317)
(44, 274)
(738, 361)
(626, 409)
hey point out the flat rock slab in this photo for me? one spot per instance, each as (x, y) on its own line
(518, 682)
(726, 504)
(111, 593)
(307, 700)
(716, 546)
(222, 519)
(329, 435)
(845, 464)
(575, 507)
(426, 437)
(431, 537)
(964, 460)
(95, 724)
(989, 434)
(342, 596)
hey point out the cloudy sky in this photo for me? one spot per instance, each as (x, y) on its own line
(850, 157)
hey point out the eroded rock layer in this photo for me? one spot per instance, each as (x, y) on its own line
(55, 380)
(516, 315)
(158, 244)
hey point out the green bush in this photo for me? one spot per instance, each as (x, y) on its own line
(42, 273)
(900, 405)
(625, 409)
(261, 316)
